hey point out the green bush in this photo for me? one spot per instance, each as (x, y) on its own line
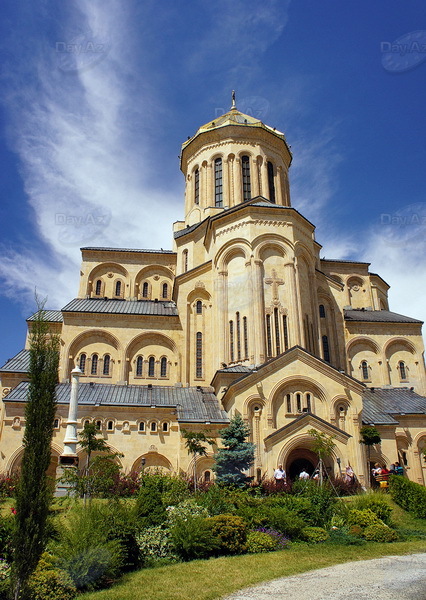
(50, 583)
(322, 498)
(192, 538)
(355, 530)
(120, 525)
(409, 495)
(303, 507)
(6, 537)
(285, 521)
(185, 510)
(255, 516)
(231, 533)
(257, 542)
(343, 537)
(172, 488)
(380, 533)
(375, 502)
(363, 518)
(149, 506)
(314, 535)
(87, 554)
(155, 545)
(217, 500)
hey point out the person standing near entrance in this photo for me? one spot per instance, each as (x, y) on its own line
(304, 475)
(280, 477)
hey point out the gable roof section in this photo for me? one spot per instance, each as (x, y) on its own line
(381, 405)
(122, 307)
(51, 316)
(193, 404)
(20, 363)
(377, 316)
(106, 249)
(299, 422)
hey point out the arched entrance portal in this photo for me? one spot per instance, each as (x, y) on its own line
(301, 459)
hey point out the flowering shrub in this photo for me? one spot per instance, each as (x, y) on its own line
(185, 510)
(257, 541)
(280, 540)
(155, 543)
(125, 486)
(8, 484)
(4, 569)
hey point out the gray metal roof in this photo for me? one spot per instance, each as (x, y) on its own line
(161, 308)
(52, 316)
(381, 405)
(193, 404)
(377, 316)
(20, 363)
(188, 229)
(339, 260)
(150, 251)
(235, 369)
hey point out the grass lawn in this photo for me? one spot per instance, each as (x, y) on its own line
(215, 578)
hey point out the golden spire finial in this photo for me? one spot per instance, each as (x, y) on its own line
(234, 106)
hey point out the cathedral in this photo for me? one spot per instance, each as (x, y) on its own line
(241, 316)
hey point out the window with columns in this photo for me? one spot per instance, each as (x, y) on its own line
(139, 366)
(197, 186)
(218, 184)
(145, 290)
(402, 370)
(199, 307)
(94, 365)
(98, 287)
(82, 363)
(365, 370)
(163, 367)
(151, 367)
(245, 167)
(199, 354)
(231, 341)
(107, 365)
(271, 182)
(245, 334)
(325, 348)
(165, 291)
(118, 288)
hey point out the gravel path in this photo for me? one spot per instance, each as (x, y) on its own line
(389, 578)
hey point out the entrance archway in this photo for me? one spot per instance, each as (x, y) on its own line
(301, 459)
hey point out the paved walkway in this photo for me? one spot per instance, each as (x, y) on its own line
(389, 578)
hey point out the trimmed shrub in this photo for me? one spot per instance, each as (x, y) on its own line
(363, 518)
(380, 533)
(155, 545)
(257, 542)
(231, 533)
(149, 506)
(314, 535)
(376, 503)
(185, 510)
(409, 495)
(50, 583)
(280, 539)
(192, 538)
(355, 530)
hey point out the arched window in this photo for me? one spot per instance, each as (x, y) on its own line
(139, 366)
(325, 348)
(145, 290)
(153, 426)
(56, 424)
(322, 311)
(245, 334)
(197, 186)
(163, 367)
(110, 425)
(237, 322)
(288, 400)
(218, 190)
(231, 340)
(118, 288)
(299, 402)
(185, 261)
(99, 425)
(165, 290)
(364, 370)
(245, 166)
(82, 363)
(94, 366)
(402, 370)
(271, 182)
(285, 332)
(199, 307)
(98, 287)
(268, 336)
(199, 354)
(151, 367)
(207, 476)
(165, 427)
(86, 422)
(141, 426)
(107, 364)
(277, 331)
(308, 402)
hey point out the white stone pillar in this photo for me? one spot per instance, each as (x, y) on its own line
(71, 440)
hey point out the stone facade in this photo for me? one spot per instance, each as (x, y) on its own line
(242, 315)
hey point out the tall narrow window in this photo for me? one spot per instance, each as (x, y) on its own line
(185, 261)
(94, 366)
(402, 370)
(322, 311)
(268, 335)
(271, 182)
(139, 366)
(118, 288)
(199, 307)
(82, 363)
(199, 354)
(163, 367)
(364, 369)
(197, 186)
(231, 340)
(98, 288)
(308, 402)
(107, 364)
(288, 399)
(245, 166)
(237, 322)
(277, 331)
(218, 188)
(285, 331)
(151, 366)
(325, 348)
(299, 402)
(145, 290)
(165, 290)
(245, 333)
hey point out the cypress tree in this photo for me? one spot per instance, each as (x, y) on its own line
(236, 456)
(34, 492)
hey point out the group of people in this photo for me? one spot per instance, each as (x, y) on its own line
(378, 471)
(281, 477)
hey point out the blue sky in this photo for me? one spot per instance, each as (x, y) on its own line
(97, 97)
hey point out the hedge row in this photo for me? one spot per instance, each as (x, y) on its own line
(409, 495)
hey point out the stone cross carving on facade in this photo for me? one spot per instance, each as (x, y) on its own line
(275, 282)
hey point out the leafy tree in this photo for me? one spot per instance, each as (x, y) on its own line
(236, 456)
(34, 491)
(370, 437)
(195, 443)
(323, 446)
